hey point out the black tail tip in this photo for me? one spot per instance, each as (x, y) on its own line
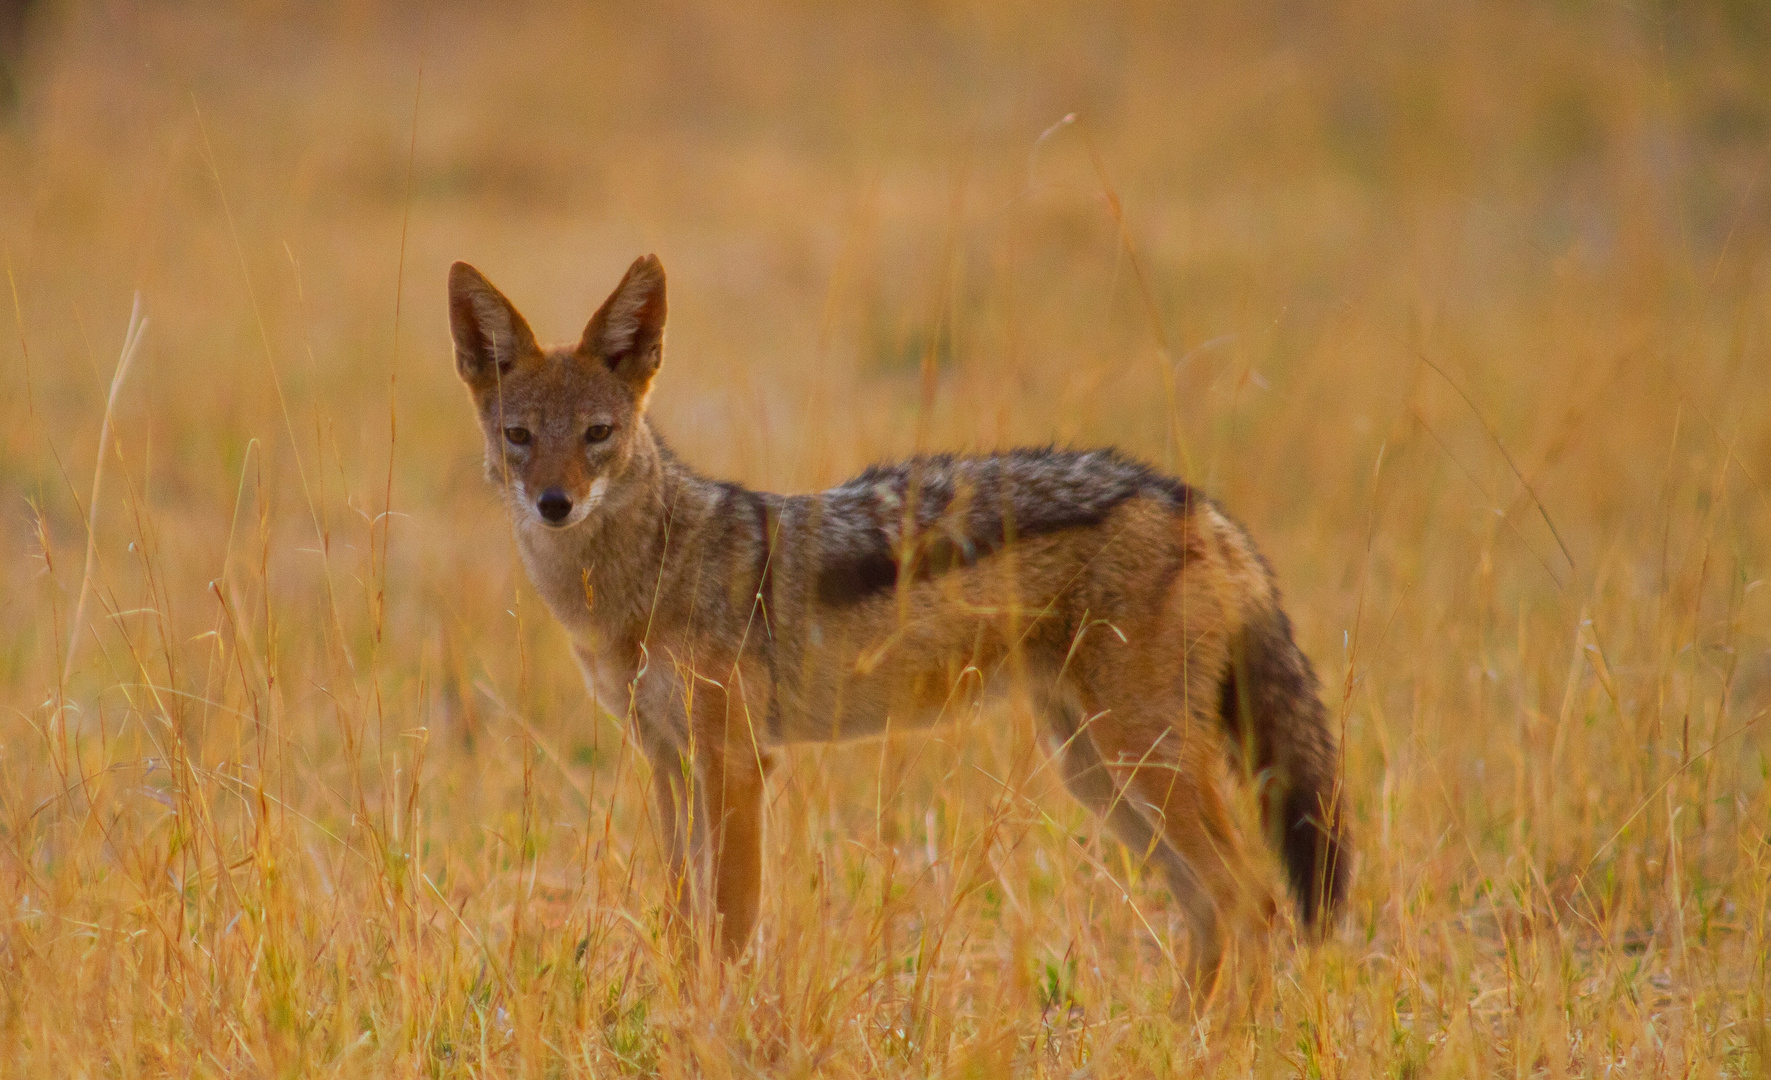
(1317, 857)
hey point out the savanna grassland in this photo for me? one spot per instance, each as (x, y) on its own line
(1464, 309)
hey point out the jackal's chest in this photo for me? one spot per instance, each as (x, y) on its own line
(581, 604)
(609, 672)
(564, 584)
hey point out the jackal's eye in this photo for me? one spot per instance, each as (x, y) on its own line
(518, 436)
(597, 432)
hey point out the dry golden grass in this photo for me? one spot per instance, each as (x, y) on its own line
(311, 787)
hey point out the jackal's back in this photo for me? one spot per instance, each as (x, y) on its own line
(927, 516)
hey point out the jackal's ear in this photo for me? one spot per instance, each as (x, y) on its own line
(627, 332)
(490, 335)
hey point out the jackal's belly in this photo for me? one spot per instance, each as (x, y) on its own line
(896, 683)
(866, 708)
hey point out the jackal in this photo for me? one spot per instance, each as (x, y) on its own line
(726, 622)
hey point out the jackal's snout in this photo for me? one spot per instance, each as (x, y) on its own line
(554, 506)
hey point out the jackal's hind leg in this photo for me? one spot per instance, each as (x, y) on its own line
(1089, 782)
(1169, 775)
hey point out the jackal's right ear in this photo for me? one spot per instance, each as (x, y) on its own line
(490, 335)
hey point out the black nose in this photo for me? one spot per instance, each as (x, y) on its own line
(554, 505)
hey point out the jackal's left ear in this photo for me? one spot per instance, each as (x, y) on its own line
(627, 332)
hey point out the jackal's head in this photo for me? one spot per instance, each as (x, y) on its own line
(562, 424)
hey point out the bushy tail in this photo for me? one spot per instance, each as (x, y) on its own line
(1272, 710)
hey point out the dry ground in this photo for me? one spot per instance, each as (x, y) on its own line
(307, 786)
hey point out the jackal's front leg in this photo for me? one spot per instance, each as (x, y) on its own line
(670, 789)
(731, 796)
(719, 815)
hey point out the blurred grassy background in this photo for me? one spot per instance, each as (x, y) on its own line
(1402, 284)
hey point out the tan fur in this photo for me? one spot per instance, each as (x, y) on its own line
(713, 618)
